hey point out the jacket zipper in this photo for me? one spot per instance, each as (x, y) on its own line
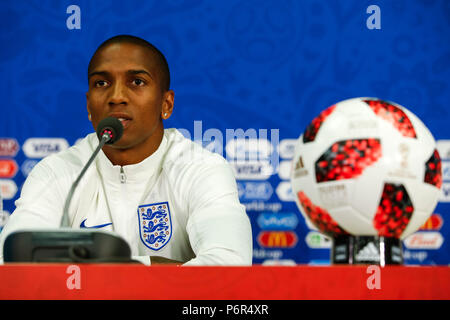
(122, 176)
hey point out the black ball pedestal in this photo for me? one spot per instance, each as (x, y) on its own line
(366, 250)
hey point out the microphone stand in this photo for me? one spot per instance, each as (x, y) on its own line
(65, 218)
(67, 244)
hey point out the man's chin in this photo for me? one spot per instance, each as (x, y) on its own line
(132, 141)
(120, 145)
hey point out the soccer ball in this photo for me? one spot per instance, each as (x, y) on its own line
(366, 167)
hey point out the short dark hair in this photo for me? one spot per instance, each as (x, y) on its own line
(161, 61)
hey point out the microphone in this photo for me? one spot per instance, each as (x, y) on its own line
(109, 130)
(67, 244)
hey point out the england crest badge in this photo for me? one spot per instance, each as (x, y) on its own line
(155, 224)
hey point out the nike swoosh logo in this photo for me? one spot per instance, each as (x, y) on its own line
(83, 225)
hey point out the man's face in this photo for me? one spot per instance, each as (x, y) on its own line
(124, 83)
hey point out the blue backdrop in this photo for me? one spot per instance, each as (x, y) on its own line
(234, 64)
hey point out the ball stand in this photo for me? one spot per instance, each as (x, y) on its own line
(366, 250)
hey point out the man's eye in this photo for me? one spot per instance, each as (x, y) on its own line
(138, 82)
(100, 83)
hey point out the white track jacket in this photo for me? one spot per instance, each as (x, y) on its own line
(180, 203)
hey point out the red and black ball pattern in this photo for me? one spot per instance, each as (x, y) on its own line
(312, 129)
(394, 115)
(433, 170)
(394, 211)
(347, 159)
(319, 216)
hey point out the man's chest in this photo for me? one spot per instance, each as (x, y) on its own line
(151, 219)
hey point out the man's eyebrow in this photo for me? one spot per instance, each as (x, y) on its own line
(134, 72)
(100, 73)
(106, 73)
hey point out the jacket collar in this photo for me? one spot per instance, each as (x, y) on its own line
(138, 172)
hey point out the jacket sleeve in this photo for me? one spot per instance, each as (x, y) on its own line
(39, 206)
(218, 227)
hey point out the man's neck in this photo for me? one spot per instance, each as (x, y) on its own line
(136, 154)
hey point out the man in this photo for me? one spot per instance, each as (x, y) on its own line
(167, 197)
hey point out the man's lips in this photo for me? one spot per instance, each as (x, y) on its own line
(125, 122)
(123, 118)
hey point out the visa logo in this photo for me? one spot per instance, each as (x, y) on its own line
(46, 148)
(42, 147)
(249, 169)
(252, 170)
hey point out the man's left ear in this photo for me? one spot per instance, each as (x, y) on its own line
(168, 102)
(87, 106)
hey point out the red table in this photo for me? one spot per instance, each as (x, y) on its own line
(114, 281)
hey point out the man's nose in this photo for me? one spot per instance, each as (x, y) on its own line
(118, 94)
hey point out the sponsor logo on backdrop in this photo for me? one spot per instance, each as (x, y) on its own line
(267, 254)
(445, 170)
(277, 239)
(262, 206)
(434, 222)
(8, 188)
(8, 168)
(316, 240)
(255, 190)
(415, 255)
(42, 147)
(445, 192)
(284, 191)
(252, 170)
(249, 149)
(8, 147)
(424, 240)
(287, 148)
(277, 221)
(284, 170)
(27, 166)
(443, 147)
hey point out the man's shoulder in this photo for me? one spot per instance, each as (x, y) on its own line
(183, 153)
(195, 172)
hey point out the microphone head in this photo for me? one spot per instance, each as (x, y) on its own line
(112, 127)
